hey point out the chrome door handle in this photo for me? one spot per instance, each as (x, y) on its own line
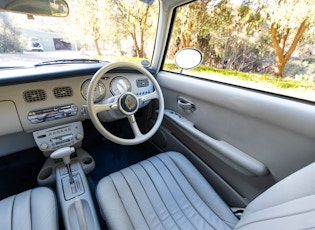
(186, 104)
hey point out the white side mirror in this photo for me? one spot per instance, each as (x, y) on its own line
(188, 58)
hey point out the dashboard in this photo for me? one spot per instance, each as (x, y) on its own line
(32, 99)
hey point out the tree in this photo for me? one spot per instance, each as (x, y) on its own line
(289, 19)
(9, 35)
(192, 19)
(226, 33)
(134, 19)
(85, 20)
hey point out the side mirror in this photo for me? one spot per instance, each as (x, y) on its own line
(188, 58)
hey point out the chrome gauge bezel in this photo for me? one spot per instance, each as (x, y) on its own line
(114, 83)
(97, 97)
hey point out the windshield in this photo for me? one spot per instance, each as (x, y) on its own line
(107, 30)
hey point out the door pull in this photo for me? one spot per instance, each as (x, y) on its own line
(186, 104)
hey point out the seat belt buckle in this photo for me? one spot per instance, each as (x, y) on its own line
(238, 212)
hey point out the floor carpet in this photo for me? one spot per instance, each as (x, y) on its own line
(18, 172)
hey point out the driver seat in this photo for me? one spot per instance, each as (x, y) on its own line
(167, 192)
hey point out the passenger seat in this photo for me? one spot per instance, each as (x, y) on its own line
(33, 209)
(167, 192)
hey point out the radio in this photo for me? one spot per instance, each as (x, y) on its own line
(53, 113)
(58, 137)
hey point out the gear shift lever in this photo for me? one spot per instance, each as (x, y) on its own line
(65, 153)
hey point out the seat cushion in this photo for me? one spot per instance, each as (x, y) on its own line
(164, 192)
(289, 204)
(30, 210)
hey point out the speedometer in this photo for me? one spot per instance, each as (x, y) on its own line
(99, 91)
(120, 85)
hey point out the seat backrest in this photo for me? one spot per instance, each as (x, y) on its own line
(33, 209)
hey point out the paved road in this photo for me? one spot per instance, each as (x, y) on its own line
(31, 58)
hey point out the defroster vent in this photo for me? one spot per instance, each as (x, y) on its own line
(34, 95)
(61, 92)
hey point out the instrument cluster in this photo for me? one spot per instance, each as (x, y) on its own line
(116, 85)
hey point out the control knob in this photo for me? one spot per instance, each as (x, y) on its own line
(44, 146)
(79, 136)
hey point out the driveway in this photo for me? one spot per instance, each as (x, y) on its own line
(31, 58)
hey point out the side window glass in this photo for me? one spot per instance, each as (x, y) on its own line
(266, 47)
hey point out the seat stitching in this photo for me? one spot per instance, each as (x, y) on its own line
(121, 200)
(12, 207)
(30, 198)
(192, 204)
(171, 193)
(132, 192)
(147, 194)
(201, 197)
(166, 207)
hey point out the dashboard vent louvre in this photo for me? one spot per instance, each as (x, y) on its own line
(34, 95)
(61, 92)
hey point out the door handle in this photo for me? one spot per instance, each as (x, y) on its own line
(185, 104)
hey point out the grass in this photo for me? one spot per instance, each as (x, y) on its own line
(265, 79)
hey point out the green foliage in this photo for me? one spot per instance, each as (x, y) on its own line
(111, 23)
(266, 79)
(230, 36)
(289, 22)
(133, 19)
(9, 36)
(289, 13)
(238, 37)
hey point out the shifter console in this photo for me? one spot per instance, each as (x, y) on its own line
(54, 138)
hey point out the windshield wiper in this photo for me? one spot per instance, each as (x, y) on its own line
(68, 61)
(11, 67)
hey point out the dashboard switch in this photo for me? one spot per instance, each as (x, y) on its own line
(79, 136)
(58, 137)
(43, 146)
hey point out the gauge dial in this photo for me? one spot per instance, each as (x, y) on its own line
(99, 91)
(120, 85)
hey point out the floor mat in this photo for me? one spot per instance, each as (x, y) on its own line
(18, 171)
(110, 157)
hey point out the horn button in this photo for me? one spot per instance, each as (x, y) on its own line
(128, 103)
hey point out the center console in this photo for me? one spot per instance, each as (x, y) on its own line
(75, 198)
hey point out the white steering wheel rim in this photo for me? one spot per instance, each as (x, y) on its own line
(93, 114)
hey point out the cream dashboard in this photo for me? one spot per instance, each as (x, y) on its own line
(42, 97)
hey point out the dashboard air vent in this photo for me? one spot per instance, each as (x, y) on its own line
(34, 95)
(61, 92)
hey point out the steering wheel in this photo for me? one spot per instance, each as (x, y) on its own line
(127, 103)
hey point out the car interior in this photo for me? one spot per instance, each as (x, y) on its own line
(117, 145)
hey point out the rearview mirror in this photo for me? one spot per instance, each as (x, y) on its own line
(56, 8)
(188, 58)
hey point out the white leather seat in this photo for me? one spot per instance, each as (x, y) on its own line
(34, 209)
(167, 192)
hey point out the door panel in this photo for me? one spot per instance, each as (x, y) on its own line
(249, 139)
